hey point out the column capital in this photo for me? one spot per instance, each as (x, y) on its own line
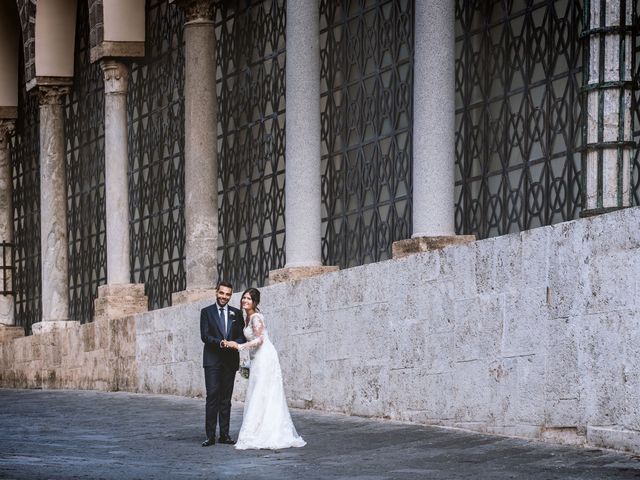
(52, 94)
(7, 128)
(116, 76)
(196, 10)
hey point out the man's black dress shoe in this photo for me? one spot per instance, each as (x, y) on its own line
(208, 442)
(226, 439)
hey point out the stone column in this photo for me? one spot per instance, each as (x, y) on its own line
(201, 159)
(119, 297)
(302, 175)
(607, 93)
(53, 209)
(116, 165)
(6, 224)
(434, 129)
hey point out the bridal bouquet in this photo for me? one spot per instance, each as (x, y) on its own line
(244, 369)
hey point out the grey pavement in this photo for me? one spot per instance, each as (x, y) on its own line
(61, 434)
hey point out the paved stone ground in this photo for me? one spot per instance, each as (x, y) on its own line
(97, 435)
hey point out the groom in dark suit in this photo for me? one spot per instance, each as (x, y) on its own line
(220, 322)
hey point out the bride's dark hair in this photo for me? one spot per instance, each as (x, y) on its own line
(254, 293)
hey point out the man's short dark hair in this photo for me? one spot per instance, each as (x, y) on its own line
(224, 283)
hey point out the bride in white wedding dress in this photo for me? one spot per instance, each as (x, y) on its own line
(266, 422)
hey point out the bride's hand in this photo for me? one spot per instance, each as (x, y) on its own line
(232, 344)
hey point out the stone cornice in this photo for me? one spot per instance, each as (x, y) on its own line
(52, 94)
(42, 81)
(196, 10)
(8, 112)
(111, 49)
(116, 77)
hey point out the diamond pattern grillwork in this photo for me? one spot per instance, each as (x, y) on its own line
(366, 50)
(251, 105)
(84, 139)
(518, 116)
(25, 154)
(156, 157)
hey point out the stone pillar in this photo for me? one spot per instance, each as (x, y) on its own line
(119, 297)
(607, 93)
(53, 209)
(201, 158)
(116, 166)
(434, 130)
(302, 175)
(6, 225)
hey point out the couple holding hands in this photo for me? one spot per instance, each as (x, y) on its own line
(266, 421)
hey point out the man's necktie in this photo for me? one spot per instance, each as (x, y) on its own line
(222, 316)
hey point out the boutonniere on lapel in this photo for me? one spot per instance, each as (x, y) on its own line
(232, 315)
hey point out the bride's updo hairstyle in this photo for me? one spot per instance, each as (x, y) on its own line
(254, 293)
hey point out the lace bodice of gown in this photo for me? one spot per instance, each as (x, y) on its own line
(248, 332)
(255, 332)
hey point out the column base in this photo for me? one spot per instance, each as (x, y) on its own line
(193, 295)
(293, 274)
(47, 326)
(120, 300)
(9, 332)
(410, 246)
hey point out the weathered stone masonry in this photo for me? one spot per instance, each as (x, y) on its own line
(533, 334)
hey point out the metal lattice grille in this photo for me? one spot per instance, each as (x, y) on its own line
(251, 105)
(25, 153)
(518, 114)
(156, 157)
(366, 52)
(84, 140)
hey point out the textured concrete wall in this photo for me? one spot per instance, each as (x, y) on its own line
(534, 334)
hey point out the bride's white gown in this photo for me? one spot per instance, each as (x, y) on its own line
(266, 422)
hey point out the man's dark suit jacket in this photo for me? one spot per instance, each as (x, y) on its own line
(211, 332)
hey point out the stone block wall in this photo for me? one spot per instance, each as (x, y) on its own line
(535, 334)
(169, 350)
(98, 356)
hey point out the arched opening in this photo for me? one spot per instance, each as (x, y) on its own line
(9, 46)
(55, 29)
